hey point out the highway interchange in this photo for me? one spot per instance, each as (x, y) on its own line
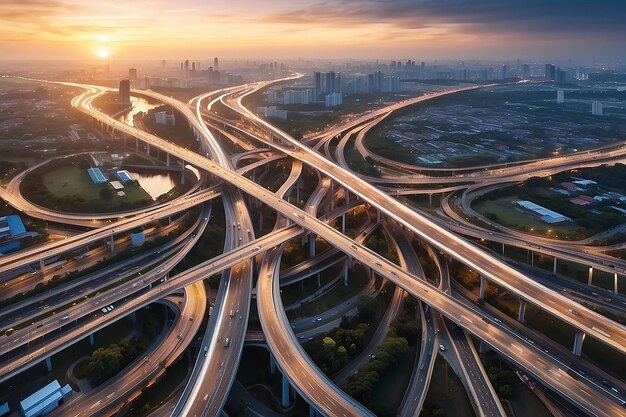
(214, 371)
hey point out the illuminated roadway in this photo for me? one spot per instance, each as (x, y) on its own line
(532, 360)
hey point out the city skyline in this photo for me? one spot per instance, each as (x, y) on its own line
(336, 29)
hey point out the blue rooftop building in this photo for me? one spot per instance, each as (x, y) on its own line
(96, 175)
(45, 400)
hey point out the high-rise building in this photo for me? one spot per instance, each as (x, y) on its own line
(297, 97)
(163, 63)
(560, 97)
(526, 72)
(124, 92)
(317, 86)
(560, 76)
(132, 74)
(596, 108)
(550, 72)
(505, 72)
(216, 64)
(333, 100)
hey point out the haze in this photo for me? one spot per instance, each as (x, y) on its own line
(326, 29)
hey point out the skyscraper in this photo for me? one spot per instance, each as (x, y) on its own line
(317, 86)
(526, 72)
(124, 92)
(550, 72)
(216, 64)
(132, 74)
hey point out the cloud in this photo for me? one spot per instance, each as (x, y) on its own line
(499, 16)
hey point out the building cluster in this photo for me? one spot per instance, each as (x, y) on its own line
(273, 112)
(584, 192)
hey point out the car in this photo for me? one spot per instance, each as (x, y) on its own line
(206, 349)
(378, 263)
(574, 312)
(65, 317)
(227, 342)
(240, 316)
(110, 308)
(353, 246)
(104, 310)
(393, 273)
(486, 320)
(248, 230)
(232, 313)
(497, 320)
(317, 319)
(442, 348)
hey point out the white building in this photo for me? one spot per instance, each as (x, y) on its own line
(165, 118)
(333, 100)
(272, 111)
(297, 97)
(560, 97)
(596, 108)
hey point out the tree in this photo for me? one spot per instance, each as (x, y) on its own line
(106, 193)
(367, 308)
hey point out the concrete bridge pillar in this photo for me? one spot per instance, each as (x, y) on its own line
(297, 192)
(532, 258)
(503, 248)
(347, 196)
(49, 364)
(42, 265)
(319, 279)
(579, 338)
(343, 223)
(483, 284)
(345, 271)
(554, 266)
(615, 289)
(167, 159)
(182, 174)
(522, 310)
(137, 144)
(92, 340)
(378, 216)
(260, 220)
(285, 399)
(133, 317)
(147, 149)
(272, 364)
(311, 245)
(590, 275)
(112, 243)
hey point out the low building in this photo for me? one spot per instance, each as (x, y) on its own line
(4, 410)
(124, 176)
(45, 400)
(546, 215)
(96, 175)
(116, 185)
(12, 231)
(165, 118)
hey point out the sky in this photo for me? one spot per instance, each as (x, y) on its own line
(583, 30)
